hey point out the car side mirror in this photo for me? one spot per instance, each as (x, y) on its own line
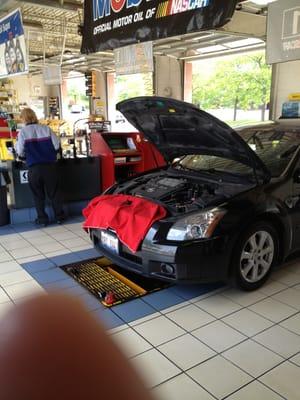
(297, 176)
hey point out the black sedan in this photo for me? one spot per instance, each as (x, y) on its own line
(233, 197)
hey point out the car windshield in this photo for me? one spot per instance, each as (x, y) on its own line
(274, 148)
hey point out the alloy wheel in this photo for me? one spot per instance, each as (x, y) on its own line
(257, 256)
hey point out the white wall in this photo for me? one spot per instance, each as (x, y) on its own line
(25, 87)
(168, 77)
(286, 81)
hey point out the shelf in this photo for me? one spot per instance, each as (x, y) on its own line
(127, 163)
(127, 154)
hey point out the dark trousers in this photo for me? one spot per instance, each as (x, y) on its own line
(43, 179)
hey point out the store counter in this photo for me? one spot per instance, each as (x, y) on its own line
(80, 182)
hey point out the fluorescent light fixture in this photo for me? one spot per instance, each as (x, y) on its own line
(262, 2)
(244, 42)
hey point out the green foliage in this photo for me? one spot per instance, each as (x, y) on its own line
(134, 85)
(244, 82)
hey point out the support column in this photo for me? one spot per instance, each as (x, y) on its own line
(286, 80)
(188, 82)
(101, 100)
(168, 77)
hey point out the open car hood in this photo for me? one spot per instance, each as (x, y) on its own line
(177, 129)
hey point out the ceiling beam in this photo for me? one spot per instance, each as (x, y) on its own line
(67, 5)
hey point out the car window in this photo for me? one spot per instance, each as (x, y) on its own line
(274, 148)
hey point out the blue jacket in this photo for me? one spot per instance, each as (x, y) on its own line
(38, 144)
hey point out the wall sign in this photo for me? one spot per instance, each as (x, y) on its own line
(283, 38)
(24, 177)
(137, 58)
(109, 24)
(13, 57)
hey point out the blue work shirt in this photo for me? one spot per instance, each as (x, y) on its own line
(38, 144)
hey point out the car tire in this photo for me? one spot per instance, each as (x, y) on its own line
(254, 256)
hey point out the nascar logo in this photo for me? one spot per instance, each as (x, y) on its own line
(103, 8)
(171, 7)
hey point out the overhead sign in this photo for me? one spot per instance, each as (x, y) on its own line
(52, 75)
(109, 24)
(13, 57)
(283, 38)
(137, 58)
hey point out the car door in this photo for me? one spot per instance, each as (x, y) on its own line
(294, 204)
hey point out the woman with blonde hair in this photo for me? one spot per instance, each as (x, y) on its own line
(39, 145)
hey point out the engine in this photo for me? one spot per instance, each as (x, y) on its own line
(179, 195)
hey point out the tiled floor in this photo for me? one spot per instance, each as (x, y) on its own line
(197, 342)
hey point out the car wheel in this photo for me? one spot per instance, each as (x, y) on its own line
(254, 256)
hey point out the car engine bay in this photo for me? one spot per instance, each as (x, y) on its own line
(180, 194)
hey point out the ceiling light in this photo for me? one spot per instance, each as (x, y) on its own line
(262, 2)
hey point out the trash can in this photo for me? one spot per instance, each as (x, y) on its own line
(4, 212)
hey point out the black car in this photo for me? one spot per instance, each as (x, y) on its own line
(233, 197)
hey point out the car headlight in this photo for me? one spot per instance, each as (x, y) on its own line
(197, 226)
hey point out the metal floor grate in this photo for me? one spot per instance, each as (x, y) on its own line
(100, 278)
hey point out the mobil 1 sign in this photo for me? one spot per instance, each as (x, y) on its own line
(110, 24)
(283, 39)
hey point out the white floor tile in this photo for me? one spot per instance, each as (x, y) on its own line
(5, 256)
(255, 391)
(179, 388)
(117, 329)
(80, 248)
(284, 379)
(35, 233)
(154, 368)
(24, 289)
(130, 342)
(52, 230)
(50, 247)
(62, 236)
(279, 340)
(190, 317)
(74, 243)
(175, 307)
(219, 377)
(31, 259)
(39, 240)
(26, 252)
(4, 297)
(186, 351)
(271, 287)
(57, 253)
(144, 319)
(296, 359)
(10, 237)
(273, 310)
(218, 306)
(218, 336)
(292, 324)
(14, 277)
(15, 245)
(244, 298)
(253, 358)
(290, 297)
(10, 266)
(247, 322)
(286, 277)
(159, 330)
